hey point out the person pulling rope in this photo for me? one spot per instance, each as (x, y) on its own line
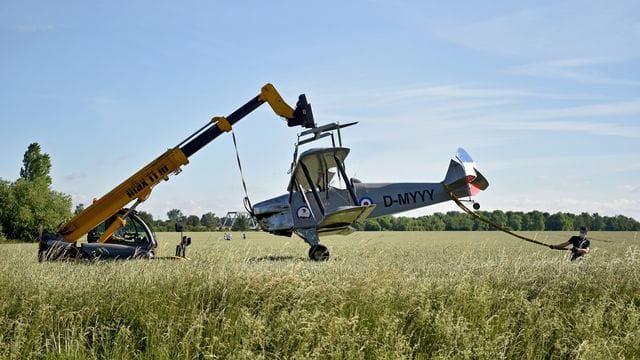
(581, 245)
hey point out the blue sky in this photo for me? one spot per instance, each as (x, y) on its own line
(544, 95)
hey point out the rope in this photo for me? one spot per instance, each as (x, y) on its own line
(491, 223)
(246, 201)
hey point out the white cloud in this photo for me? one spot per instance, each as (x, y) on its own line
(104, 100)
(454, 91)
(571, 69)
(560, 30)
(75, 176)
(119, 159)
(469, 108)
(606, 163)
(599, 119)
(597, 128)
(81, 199)
(631, 188)
(435, 93)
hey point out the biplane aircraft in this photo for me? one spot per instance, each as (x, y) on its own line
(314, 206)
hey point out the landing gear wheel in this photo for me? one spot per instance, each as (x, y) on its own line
(318, 253)
(476, 206)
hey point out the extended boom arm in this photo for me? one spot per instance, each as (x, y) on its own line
(138, 186)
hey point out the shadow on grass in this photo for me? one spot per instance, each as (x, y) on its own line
(276, 258)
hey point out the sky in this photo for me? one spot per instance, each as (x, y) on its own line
(544, 95)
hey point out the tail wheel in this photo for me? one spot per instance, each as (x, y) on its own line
(318, 253)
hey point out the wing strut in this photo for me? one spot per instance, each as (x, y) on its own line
(347, 183)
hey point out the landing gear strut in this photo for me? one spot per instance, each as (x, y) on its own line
(318, 252)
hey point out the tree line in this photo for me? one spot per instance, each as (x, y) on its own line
(194, 223)
(30, 203)
(514, 220)
(450, 221)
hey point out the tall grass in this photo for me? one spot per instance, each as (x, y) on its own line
(382, 295)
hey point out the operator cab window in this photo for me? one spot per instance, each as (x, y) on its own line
(132, 233)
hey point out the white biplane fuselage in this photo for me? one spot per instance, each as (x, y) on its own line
(313, 207)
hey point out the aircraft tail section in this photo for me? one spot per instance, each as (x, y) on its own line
(463, 177)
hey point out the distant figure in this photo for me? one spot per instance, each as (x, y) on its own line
(244, 236)
(580, 245)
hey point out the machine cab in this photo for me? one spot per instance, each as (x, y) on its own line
(133, 240)
(135, 233)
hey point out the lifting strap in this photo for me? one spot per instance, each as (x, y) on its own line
(246, 201)
(491, 223)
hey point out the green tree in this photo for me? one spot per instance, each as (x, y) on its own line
(610, 224)
(457, 221)
(210, 220)
(398, 224)
(175, 215)
(5, 190)
(433, 223)
(584, 219)
(146, 217)
(624, 223)
(5, 194)
(533, 221)
(417, 224)
(558, 222)
(31, 203)
(597, 223)
(161, 225)
(241, 223)
(514, 220)
(2, 237)
(35, 165)
(371, 225)
(499, 217)
(193, 220)
(385, 222)
(358, 225)
(481, 225)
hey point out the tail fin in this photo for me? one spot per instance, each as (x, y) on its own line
(463, 178)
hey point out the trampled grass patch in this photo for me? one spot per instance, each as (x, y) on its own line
(479, 295)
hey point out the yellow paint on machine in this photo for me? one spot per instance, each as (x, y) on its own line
(136, 187)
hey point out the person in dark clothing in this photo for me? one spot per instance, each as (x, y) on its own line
(581, 245)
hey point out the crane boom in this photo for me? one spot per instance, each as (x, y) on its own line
(138, 186)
